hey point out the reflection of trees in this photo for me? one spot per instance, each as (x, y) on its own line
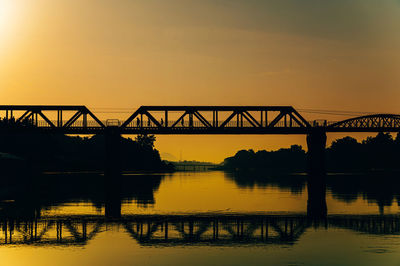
(53, 190)
(141, 188)
(380, 188)
(251, 179)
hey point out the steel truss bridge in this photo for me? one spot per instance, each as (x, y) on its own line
(170, 230)
(187, 120)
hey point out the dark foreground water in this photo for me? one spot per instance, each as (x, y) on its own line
(204, 218)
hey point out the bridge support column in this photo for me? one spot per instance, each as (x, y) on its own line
(112, 174)
(316, 142)
(316, 184)
(112, 141)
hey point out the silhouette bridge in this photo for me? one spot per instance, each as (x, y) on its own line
(191, 120)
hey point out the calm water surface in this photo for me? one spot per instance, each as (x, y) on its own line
(212, 218)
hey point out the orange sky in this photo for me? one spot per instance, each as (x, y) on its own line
(335, 55)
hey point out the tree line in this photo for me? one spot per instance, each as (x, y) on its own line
(346, 154)
(45, 151)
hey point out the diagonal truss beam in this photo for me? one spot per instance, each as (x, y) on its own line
(25, 115)
(228, 119)
(277, 119)
(180, 118)
(250, 119)
(46, 119)
(202, 119)
(95, 118)
(132, 117)
(72, 120)
(249, 116)
(152, 119)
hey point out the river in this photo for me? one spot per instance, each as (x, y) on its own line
(199, 218)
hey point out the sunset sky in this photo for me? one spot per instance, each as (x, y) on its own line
(311, 54)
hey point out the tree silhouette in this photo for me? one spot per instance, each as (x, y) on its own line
(346, 154)
(146, 141)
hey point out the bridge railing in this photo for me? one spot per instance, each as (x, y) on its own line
(76, 124)
(45, 125)
(151, 124)
(199, 124)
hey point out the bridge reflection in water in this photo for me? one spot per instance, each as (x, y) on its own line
(227, 230)
(21, 223)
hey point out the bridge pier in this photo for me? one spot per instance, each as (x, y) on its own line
(112, 142)
(316, 142)
(316, 183)
(112, 173)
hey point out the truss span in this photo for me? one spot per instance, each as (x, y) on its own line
(52, 118)
(368, 123)
(215, 120)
